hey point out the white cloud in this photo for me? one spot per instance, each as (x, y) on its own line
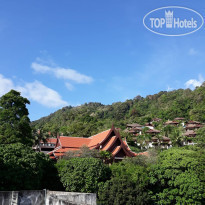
(70, 74)
(42, 94)
(62, 73)
(69, 86)
(192, 52)
(35, 91)
(192, 83)
(5, 85)
(40, 68)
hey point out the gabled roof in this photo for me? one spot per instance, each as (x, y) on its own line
(74, 142)
(109, 144)
(102, 141)
(99, 138)
(116, 150)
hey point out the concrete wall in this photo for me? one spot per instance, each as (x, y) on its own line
(22, 198)
(47, 197)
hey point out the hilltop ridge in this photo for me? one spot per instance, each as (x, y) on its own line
(93, 117)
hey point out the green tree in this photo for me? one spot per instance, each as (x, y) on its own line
(22, 168)
(83, 152)
(39, 136)
(105, 155)
(14, 121)
(82, 174)
(200, 138)
(128, 184)
(178, 177)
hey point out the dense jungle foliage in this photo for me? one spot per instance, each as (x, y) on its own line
(91, 118)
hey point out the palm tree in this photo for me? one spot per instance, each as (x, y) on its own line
(177, 136)
(39, 137)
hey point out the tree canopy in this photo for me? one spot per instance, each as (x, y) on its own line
(128, 184)
(14, 120)
(178, 177)
(82, 174)
(22, 168)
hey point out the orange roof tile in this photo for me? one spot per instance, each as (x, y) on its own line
(116, 150)
(107, 146)
(143, 153)
(97, 139)
(75, 142)
(63, 150)
(59, 154)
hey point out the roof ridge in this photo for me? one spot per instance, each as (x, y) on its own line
(76, 137)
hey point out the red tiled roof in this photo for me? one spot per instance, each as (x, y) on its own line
(63, 150)
(107, 146)
(74, 142)
(66, 144)
(143, 153)
(116, 150)
(97, 139)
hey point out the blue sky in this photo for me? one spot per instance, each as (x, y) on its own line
(59, 53)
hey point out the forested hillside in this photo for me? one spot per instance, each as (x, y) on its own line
(90, 118)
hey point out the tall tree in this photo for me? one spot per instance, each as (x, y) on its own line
(14, 120)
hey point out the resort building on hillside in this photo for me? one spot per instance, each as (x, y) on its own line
(134, 129)
(169, 122)
(133, 125)
(152, 132)
(109, 140)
